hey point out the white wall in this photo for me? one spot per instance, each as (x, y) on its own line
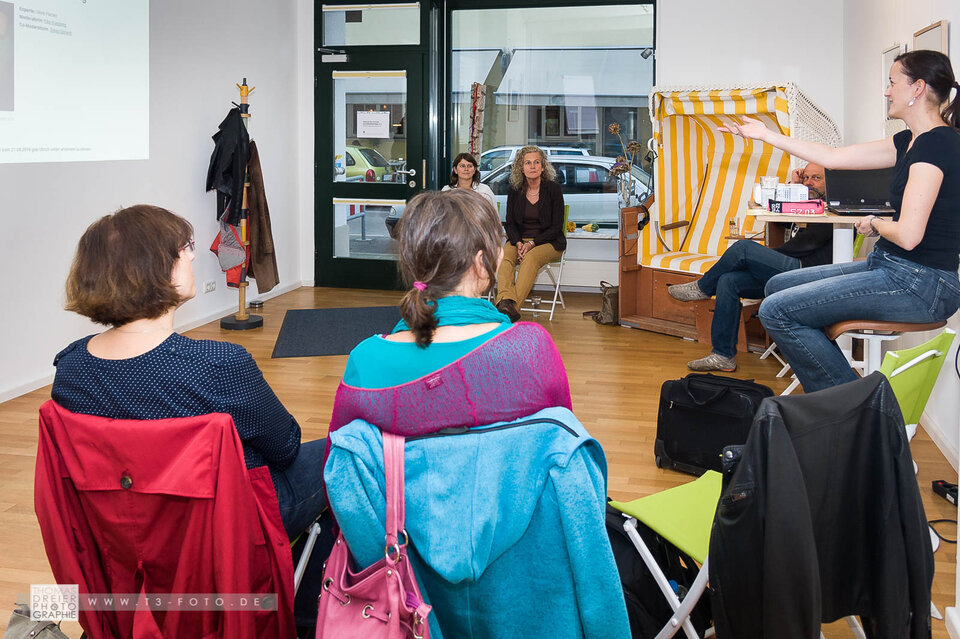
(198, 50)
(871, 26)
(305, 137)
(719, 44)
(874, 25)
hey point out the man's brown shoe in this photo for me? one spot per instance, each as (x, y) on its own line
(509, 308)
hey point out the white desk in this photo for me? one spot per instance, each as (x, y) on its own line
(843, 229)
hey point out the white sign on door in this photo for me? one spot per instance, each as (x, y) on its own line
(373, 124)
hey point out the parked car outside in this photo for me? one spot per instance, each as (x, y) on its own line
(588, 188)
(364, 164)
(496, 157)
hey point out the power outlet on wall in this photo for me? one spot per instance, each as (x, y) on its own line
(209, 287)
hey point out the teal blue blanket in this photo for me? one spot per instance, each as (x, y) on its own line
(506, 525)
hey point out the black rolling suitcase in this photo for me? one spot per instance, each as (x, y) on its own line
(699, 415)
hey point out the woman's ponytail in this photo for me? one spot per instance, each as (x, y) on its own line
(417, 311)
(952, 113)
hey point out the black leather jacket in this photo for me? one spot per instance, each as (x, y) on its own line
(822, 519)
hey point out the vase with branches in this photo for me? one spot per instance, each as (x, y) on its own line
(623, 168)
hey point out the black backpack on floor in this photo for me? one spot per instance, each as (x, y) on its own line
(647, 608)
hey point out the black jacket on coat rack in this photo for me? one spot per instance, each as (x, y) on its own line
(228, 165)
(822, 519)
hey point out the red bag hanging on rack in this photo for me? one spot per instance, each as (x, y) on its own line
(232, 253)
(382, 601)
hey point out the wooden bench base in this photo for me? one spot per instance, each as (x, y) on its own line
(645, 304)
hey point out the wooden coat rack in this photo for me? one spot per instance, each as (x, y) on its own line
(242, 320)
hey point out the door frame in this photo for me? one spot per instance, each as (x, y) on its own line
(414, 59)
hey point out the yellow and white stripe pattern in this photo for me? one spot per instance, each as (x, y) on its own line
(704, 176)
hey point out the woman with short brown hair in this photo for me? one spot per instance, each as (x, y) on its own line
(132, 270)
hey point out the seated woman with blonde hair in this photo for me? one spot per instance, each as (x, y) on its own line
(534, 226)
(132, 271)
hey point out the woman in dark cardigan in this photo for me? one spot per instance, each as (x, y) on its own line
(534, 226)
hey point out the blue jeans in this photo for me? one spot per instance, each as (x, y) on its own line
(300, 490)
(742, 271)
(800, 304)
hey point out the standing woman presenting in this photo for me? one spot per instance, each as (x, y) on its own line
(466, 176)
(911, 275)
(534, 226)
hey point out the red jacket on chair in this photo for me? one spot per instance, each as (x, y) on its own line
(157, 508)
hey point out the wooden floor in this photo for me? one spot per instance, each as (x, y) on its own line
(615, 376)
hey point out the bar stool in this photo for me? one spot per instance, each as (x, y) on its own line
(874, 333)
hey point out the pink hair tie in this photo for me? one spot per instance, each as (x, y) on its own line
(420, 286)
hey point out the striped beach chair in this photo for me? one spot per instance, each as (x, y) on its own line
(704, 180)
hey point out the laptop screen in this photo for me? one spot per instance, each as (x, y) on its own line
(846, 188)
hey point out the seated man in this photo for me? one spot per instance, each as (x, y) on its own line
(743, 270)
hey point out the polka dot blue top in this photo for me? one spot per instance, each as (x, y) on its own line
(182, 377)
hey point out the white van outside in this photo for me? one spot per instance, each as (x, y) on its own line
(499, 155)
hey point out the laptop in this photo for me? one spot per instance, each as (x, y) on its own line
(859, 192)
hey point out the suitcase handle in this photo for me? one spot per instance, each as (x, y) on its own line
(720, 393)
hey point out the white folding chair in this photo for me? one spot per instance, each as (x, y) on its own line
(535, 304)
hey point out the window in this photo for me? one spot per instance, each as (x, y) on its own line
(551, 81)
(500, 183)
(372, 24)
(373, 158)
(582, 178)
(493, 159)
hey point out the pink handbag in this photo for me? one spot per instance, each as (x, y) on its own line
(382, 601)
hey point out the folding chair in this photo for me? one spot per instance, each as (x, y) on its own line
(533, 305)
(913, 372)
(682, 516)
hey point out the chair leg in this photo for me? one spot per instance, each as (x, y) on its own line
(772, 352)
(305, 555)
(793, 385)
(556, 287)
(871, 359)
(676, 622)
(557, 294)
(855, 627)
(691, 599)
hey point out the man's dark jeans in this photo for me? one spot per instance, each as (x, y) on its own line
(741, 272)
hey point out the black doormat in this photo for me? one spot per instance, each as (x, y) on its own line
(331, 331)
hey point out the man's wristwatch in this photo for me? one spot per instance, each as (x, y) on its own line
(873, 218)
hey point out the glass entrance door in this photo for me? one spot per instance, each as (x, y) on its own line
(369, 139)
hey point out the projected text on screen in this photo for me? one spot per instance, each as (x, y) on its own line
(74, 80)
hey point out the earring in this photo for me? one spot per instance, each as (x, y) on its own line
(911, 102)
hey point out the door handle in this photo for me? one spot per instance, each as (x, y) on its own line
(411, 172)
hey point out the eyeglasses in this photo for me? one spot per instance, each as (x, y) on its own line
(190, 246)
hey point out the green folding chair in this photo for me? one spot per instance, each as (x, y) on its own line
(913, 372)
(682, 516)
